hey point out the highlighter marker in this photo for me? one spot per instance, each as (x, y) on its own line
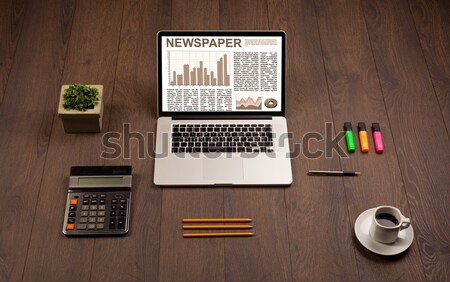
(363, 140)
(377, 140)
(349, 137)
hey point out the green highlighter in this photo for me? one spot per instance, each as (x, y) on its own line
(349, 137)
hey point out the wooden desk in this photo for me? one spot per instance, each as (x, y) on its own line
(372, 61)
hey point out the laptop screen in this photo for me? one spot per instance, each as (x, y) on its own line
(226, 72)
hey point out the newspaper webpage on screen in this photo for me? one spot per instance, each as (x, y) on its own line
(221, 73)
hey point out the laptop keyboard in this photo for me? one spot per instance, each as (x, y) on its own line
(211, 138)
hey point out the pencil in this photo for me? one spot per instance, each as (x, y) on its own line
(219, 226)
(218, 234)
(217, 220)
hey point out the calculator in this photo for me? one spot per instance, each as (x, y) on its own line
(98, 201)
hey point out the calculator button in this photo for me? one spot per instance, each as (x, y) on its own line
(113, 213)
(122, 213)
(85, 207)
(83, 220)
(121, 223)
(76, 197)
(71, 220)
(72, 208)
(86, 196)
(93, 207)
(91, 226)
(94, 196)
(123, 207)
(114, 207)
(70, 226)
(100, 219)
(72, 214)
(84, 213)
(102, 201)
(94, 201)
(119, 196)
(92, 220)
(81, 226)
(74, 202)
(100, 226)
(102, 207)
(101, 213)
(86, 202)
(92, 213)
(114, 201)
(102, 196)
(123, 201)
(112, 223)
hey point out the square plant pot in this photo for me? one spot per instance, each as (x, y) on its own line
(89, 121)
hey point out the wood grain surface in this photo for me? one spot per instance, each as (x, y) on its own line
(356, 96)
(192, 259)
(273, 263)
(136, 256)
(433, 28)
(418, 129)
(346, 60)
(308, 215)
(12, 16)
(92, 61)
(26, 122)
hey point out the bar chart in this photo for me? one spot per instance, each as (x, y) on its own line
(199, 68)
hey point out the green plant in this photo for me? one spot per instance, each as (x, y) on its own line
(80, 97)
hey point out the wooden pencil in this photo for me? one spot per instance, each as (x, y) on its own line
(215, 220)
(219, 226)
(218, 234)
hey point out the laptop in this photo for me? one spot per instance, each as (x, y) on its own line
(221, 107)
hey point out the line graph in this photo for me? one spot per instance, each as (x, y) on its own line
(249, 103)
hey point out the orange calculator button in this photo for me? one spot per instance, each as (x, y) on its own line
(73, 201)
(70, 226)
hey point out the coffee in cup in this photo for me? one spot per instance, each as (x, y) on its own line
(386, 223)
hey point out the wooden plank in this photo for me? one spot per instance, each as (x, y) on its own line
(12, 16)
(135, 257)
(356, 96)
(270, 243)
(257, 19)
(193, 259)
(190, 259)
(418, 130)
(433, 27)
(91, 59)
(315, 205)
(265, 256)
(25, 123)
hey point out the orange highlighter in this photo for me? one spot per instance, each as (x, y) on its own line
(363, 139)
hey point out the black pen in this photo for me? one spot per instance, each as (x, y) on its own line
(333, 173)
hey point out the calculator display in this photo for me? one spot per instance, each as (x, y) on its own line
(100, 180)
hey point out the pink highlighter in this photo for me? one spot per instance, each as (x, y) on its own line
(377, 140)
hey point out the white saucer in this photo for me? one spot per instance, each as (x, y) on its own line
(362, 226)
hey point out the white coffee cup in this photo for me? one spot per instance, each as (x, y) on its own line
(386, 223)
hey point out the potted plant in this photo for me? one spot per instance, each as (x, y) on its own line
(80, 108)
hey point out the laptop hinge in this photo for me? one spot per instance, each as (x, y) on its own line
(215, 117)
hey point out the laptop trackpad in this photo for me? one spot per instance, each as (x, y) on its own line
(223, 169)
